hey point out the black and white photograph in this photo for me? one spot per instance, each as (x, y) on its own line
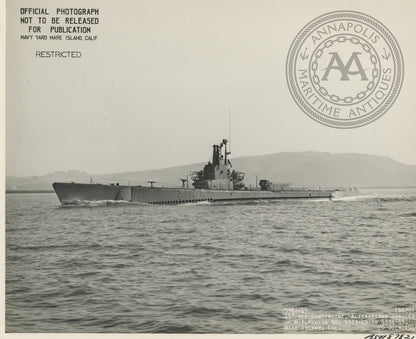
(209, 167)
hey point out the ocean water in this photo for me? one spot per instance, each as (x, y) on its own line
(299, 266)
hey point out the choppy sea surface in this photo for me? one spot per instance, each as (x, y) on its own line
(345, 265)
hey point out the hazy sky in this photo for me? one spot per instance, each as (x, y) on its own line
(155, 89)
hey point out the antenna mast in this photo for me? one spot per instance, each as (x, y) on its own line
(229, 130)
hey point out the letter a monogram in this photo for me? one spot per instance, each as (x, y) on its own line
(345, 69)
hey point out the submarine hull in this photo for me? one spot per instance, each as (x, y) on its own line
(70, 193)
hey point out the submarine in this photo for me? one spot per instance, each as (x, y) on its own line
(217, 181)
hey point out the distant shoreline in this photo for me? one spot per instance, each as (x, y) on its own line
(28, 191)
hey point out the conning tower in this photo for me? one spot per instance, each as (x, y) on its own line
(219, 174)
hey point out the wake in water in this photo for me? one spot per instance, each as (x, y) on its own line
(378, 195)
(353, 198)
(98, 203)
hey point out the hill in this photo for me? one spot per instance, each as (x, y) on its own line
(300, 168)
